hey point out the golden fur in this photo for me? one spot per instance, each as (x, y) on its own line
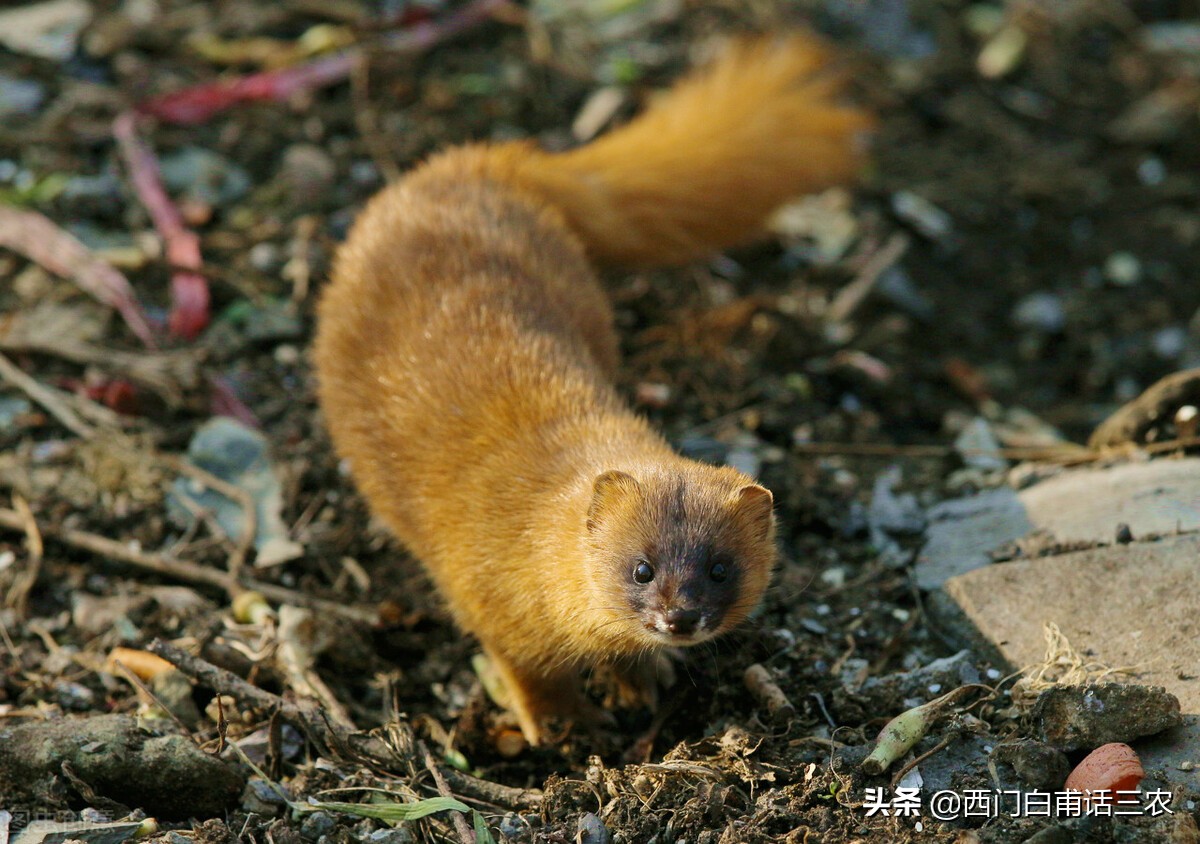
(464, 353)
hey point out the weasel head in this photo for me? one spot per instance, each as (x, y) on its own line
(676, 555)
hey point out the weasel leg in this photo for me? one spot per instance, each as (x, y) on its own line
(639, 679)
(536, 697)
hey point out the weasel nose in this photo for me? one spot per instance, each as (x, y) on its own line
(682, 622)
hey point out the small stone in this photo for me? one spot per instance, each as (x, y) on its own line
(1169, 343)
(317, 824)
(1151, 171)
(287, 355)
(74, 696)
(1124, 534)
(12, 407)
(1003, 52)
(204, 177)
(922, 214)
(1075, 717)
(396, 835)
(1037, 765)
(174, 691)
(1123, 269)
(47, 30)
(19, 97)
(261, 798)
(308, 171)
(514, 828)
(979, 448)
(593, 831)
(264, 256)
(744, 460)
(653, 394)
(1041, 312)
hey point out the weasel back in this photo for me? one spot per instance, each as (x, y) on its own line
(703, 168)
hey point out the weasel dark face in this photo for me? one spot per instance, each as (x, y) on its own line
(680, 555)
(682, 594)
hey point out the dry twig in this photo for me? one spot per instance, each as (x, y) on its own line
(18, 594)
(186, 571)
(460, 820)
(47, 398)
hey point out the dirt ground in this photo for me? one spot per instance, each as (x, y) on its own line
(1023, 247)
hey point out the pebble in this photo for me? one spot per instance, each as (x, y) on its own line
(744, 460)
(264, 256)
(48, 30)
(1151, 171)
(287, 355)
(396, 835)
(1042, 312)
(317, 824)
(12, 407)
(896, 286)
(308, 171)
(19, 97)
(73, 696)
(592, 830)
(890, 512)
(1169, 343)
(204, 176)
(513, 827)
(261, 798)
(922, 214)
(1036, 764)
(814, 627)
(1003, 52)
(1123, 269)
(364, 172)
(979, 448)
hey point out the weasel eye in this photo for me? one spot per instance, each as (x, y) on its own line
(642, 573)
(718, 572)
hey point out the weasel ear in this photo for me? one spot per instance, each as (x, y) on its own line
(753, 505)
(608, 490)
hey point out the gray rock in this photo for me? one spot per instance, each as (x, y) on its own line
(396, 835)
(963, 532)
(919, 685)
(205, 176)
(317, 824)
(979, 448)
(593, 831)
(1037, 765)
(19, 97)
(1084, 506)
(1085, 717)
(238, 455)
(262, 798)
(53, 832)
(1042, 312)
(308, 171)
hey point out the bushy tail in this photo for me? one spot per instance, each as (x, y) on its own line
(704, 166)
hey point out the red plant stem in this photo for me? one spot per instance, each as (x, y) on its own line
(195, 105)
(189, 291)
(41, 240)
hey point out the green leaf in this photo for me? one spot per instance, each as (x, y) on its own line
(393, 811)
(483, 835)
